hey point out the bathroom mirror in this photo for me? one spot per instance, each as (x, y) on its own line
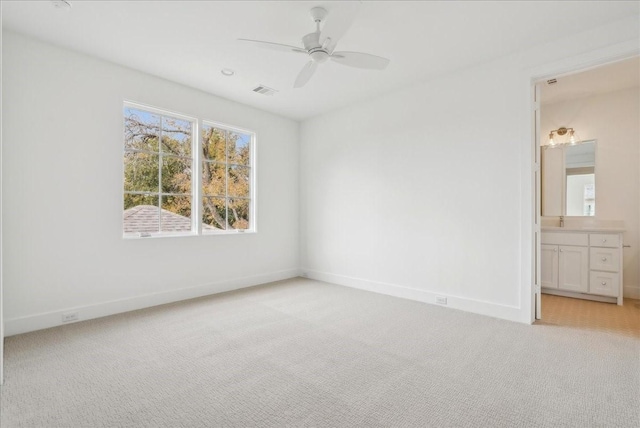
(568, 180)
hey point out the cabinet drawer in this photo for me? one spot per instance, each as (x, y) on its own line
(604, 259)
(604, 240)
(565, 238)
(604, 283)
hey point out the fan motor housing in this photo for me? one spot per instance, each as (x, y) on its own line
(312, 44)
(311, 41)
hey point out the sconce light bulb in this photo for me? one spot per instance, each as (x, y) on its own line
(551, 142)
(572, 138)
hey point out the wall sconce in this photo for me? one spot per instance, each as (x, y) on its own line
(572, 140)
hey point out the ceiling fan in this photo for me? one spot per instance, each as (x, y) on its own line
(320, 46)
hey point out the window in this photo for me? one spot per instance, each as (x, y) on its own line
(226, 178)
(164, 191)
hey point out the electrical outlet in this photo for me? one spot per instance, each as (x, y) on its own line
(441, 300)
(69, 316)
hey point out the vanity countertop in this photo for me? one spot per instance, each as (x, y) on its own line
(582, 229)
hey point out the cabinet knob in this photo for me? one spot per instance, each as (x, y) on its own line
(604, 259)
(555, 250)
(604, 282)
(561, 250)
(604, 240)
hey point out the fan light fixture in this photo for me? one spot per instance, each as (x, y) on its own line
(319, 46)
(572, 140)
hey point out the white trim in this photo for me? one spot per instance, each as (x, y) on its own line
(568, 65)
(53, 319)
(212, 232)
(232, 128)
(195, 180)
(583, 62)
(577, 295)
(495, 310)
(197, 125)
(253, 162)
(536, 309)
(156, 110)
(2, 327)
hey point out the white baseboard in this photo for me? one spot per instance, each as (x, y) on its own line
(575, 295)
(54, 318)
(510, 313)
(631, 292)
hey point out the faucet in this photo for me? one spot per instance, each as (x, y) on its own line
(561, 221)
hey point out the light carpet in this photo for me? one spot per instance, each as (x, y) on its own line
(306, 353)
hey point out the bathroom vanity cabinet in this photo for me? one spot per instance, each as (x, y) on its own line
(582, 263)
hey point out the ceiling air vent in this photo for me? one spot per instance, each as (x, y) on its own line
(551, 81)
(264, 90)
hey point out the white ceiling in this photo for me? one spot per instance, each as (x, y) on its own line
(191, 41)
(607, 78)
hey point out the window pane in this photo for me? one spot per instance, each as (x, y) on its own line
(239, 148)
(214, 143)
(238, 181)
(176, 136)
(140, 214)
(213, 179)
(239, 213)
(141, 130)
(140, 172)
(176, 175)
(176, 214)
(214, 214)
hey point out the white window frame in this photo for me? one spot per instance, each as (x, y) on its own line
(252, 181)
(196, 176)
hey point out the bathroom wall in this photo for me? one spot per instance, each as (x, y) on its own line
(613, 119)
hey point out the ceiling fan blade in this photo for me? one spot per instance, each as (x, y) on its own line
(338, 21)
(360, 60)
(305, 74)
(274, 46)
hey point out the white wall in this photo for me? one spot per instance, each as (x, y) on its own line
(613, 120)
(423, 192)
(1, 240)
(552, 180)
(62, 173)
(427, 191)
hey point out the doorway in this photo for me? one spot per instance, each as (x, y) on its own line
(589, 106)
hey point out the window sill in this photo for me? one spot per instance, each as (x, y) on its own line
(229, 232)
(187, 235)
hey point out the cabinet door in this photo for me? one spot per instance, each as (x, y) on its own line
(549, 266)
(573, 269)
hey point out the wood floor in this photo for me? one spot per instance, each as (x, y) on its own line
(585, 314)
